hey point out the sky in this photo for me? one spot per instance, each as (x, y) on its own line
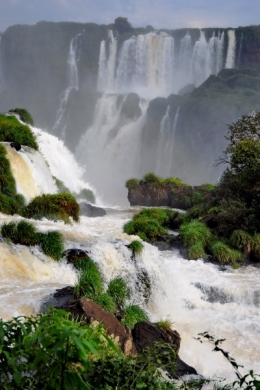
(169, 14)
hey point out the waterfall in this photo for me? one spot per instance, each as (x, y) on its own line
(107, 66)
(240, 48)
(231, 52)
(2, 83)
(73, 84)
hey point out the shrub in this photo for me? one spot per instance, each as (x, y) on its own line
(195, 232)
(196, 251)
(149, 228)
(90, 283)
(207, 187)
(10, 205)
(88, 195)
(52, 244)
(118, 290)
(136, 247)
(224, 254)
(240, 239)
(11, 130)
(132, 183)
(23, 233)
(174, 180)
(134, 314)
(256, 244)
(163, 216)
(24, 115)
(55, 207)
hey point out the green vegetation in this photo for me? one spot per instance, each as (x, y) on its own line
(55, 207)
(134, 314)
(195, 232)
(24, 115)
(24, 233)
(224, 254)
(90, 283)
(196, 251)
(165, 324)
(136, 247)
(152, 178)
(11, 130)
(119, 291)
(240, 239)
(61, 186)
(132, 183)
(107, 302)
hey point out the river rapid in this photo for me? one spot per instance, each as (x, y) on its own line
(195, 296)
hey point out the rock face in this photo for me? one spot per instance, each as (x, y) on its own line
(89, 311)
(91, 211)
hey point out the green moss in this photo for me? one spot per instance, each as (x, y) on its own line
(194, 233)
(224, 254)
(119, 291)
(52, 244)
(24, 115)
(149, 228)
(88, 195)
(11, 130)
(132, 183)
(134, 314)
(56, 207)
(165, 324)
(174, 180)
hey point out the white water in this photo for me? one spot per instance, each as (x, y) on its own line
(73, 84)
(231, 52)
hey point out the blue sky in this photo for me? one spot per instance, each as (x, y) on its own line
(159, 13)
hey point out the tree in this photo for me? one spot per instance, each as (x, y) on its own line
(122, 25)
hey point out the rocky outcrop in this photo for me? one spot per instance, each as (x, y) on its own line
(89, 311)
(88, 210)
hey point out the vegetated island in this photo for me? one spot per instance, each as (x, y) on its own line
(222, 221)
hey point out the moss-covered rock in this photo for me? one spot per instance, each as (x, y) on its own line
(24, 115)
(11, 130)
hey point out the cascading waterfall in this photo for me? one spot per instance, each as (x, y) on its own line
(231, 52)
(107, 66)
(240, 48)
(73, 84)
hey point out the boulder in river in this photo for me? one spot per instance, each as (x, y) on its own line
(88, 210)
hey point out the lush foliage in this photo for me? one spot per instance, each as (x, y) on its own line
(90, 282)
(132, 183)
(57, 207)
(224, 254)
(87, 194)
(11, 130)
(145, 228)
(119, 291)
(24, 233)
(195, 232)
(136, 247)
(24, 115)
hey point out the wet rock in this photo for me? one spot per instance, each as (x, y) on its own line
(144, 285)
(188, 89)
(91, 211)
(89, 311)
(73, 255)
(183, 368)
(146, 333)
(61, 298)
(16, 145)
(214, 294)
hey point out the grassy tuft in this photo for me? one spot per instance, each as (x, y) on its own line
(107, 302)
(149, 228)
(90, 283)
(136, 247)
(256, 244)
(174, 180)
(23, 233)
(196, 251)
(240, 239)
(207, 187)
(52, 244)
(24, 115)
(165, 324)
(152, 178)
(11, 130)
(163, 216)
(61, 186)
(118, 290)
(195, 232)
(224, 254)
(134, 314)
(132, 183)
(55, 207)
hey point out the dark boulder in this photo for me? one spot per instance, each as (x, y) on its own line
(61, 298)
(16, 146)
(183, 368)
(88, 210)
(73, 255)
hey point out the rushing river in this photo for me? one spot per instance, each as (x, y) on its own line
(193, 295)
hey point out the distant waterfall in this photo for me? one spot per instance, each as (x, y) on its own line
(107, 65)
(231, 52)
(2, 83)
(73, 84)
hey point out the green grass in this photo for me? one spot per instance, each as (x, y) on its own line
(195, 232)
(24, 115)
(165, 324)
(134, 314)
(107, 302)
(7, 181)
(132, 183)
(196, 251)
(52, 244)
(90, 283)
(118, 290)
(240, 239)
(55, 207)
(136, 247)
(163, 216)
(224, 254)
(152, 178)
(256, 244)
(11, 130)
(145, 228)
(207, 187)
(174, 180)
